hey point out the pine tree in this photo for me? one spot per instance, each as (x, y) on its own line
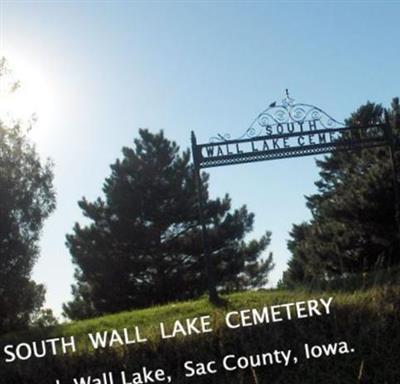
(143, 245)
(353, 227)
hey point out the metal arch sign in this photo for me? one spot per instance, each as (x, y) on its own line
(287, 130)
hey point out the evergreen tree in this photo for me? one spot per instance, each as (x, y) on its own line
(353, 227)
(143, 245)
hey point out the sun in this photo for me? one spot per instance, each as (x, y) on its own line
(25, 94)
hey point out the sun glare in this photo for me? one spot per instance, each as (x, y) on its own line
(25, 96)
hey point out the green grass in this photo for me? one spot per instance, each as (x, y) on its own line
(149, 319)
(369, 319)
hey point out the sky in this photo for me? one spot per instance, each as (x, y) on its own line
(96, 72)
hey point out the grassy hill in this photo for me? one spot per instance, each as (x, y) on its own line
(369, 321)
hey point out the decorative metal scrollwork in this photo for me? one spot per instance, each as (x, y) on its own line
(287, 112)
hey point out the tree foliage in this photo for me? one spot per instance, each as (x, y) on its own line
(26, 199)
(143, 244)
(353, 227)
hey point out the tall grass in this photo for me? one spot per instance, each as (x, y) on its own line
(368, 320)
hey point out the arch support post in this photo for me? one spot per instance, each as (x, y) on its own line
(210, 269)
